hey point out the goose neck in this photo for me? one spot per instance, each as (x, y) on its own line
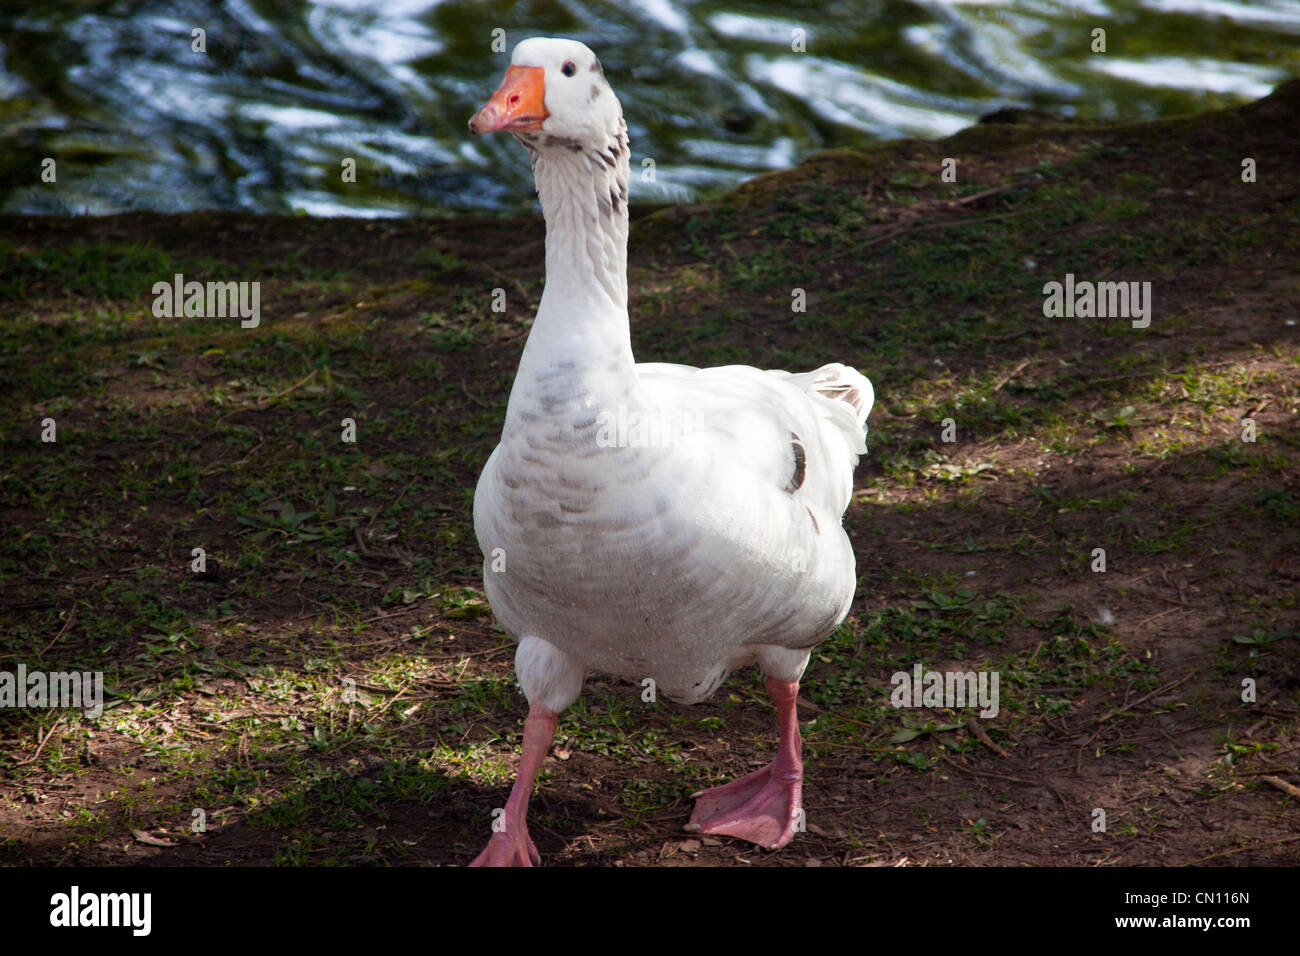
(579, 351)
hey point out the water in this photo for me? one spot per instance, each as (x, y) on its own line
(713, 91)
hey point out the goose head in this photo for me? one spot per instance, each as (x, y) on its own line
(554, 96)
(556, 102)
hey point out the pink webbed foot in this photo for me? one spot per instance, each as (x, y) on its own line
(762, 807)
(505, 849)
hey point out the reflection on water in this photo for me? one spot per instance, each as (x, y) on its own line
(713, 91)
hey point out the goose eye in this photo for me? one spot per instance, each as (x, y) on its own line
(568, 69)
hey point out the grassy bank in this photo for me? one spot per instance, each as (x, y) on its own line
(332, 690)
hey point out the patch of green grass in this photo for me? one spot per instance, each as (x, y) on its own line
(96, 270)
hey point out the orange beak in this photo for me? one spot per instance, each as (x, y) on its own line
(518, 104)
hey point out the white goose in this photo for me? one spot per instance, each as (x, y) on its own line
(650, 521)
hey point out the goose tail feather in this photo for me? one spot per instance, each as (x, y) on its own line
(846, 395)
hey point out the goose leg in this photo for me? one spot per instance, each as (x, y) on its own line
(511, 846)
(762, 807)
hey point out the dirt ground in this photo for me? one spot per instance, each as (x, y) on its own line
(332, 690)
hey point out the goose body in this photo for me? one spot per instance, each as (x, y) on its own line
(710, 539)
(650, 520)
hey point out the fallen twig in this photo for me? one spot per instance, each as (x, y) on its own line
(1282, 785)
(477, 401)
(511, 279)
(1242, 849)
(1012, 374)
(1156, 617)
(1143, 699)
(976, 197)
(39, 747)
(1042, 784)
(894, 234)
(973, 725)
(66, 624)
(1268, 699)
(270, 398)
